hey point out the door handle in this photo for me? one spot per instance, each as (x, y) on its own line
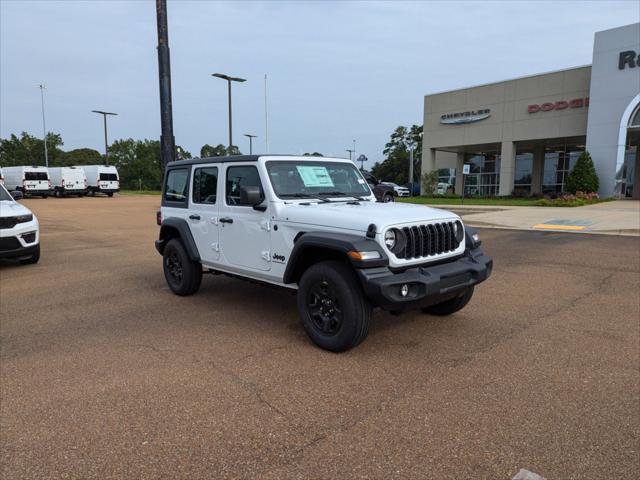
(226, 220)
(194, 217)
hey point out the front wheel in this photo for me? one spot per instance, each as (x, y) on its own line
(450, 306)
(334, 311)
(387, 198)
(181, 273)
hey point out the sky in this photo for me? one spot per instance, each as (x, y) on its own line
(337, 71)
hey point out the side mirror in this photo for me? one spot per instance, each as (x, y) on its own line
(17, 195)
(250, 196)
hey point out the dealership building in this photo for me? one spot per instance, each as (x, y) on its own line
(525, 135)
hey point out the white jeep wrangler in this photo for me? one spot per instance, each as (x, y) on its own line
(312, 224)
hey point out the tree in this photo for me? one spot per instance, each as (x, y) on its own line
(182, 154)
(138, 163)
(81, 156)
(583, 177)
(29, 150)
(218, 151)
(314, 154)
(395, 168)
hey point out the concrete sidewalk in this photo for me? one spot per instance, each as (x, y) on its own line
(613, 218)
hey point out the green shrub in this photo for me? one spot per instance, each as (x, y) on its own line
(430, 183)
(583, 177)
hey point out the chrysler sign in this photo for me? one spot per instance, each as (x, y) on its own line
(465, 117)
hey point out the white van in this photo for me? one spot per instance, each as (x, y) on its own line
(28, 180)
(101, 179)
(68, 181)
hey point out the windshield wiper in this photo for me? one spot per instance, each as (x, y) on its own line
(342, 194)
(304, 195)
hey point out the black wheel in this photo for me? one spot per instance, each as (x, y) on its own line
(450, 306)
(110, 194)
(387, 198)
(34, 258)
(334, 311)
(182, 274)
(91, 193)
(45, 195)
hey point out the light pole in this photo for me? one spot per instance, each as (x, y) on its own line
(229, 80)
(251, 137)
(411, 145)
(44, 128)
(106, 148)
(350, 152)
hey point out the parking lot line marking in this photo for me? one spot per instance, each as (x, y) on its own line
(551, 226)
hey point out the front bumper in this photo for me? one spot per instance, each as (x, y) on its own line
(428, 284)
(21, 252)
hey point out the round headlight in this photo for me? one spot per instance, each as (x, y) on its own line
(390, 239)
(458, 231)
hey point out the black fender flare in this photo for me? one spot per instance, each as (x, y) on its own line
(341, 243)
(184, 232)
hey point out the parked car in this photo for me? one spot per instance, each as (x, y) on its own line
(68, 181)
(398, 191)
(383, 193)
(311, 225)
(443, 188)
(19, 229)
(28, 180)
(101, 179)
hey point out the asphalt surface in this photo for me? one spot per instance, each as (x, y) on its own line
(106, 374)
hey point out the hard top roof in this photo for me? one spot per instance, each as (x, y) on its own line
(241, 158)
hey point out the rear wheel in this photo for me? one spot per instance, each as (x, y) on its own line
(110, 194)
(334, 311)
(34, 258)
(182, 274)
(450, 306)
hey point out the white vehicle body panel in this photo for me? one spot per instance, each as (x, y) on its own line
(11, 208)
(18, 178)
(93, 172)
(69, 178)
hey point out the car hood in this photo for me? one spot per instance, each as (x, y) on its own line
(358, 216)
(11, 209)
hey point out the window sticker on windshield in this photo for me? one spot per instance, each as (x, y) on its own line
(361, 181)
(314, 176)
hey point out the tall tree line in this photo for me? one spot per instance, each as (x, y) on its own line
(395, 167)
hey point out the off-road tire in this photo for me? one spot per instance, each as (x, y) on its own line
(351, 315)
(34, 258)
(450, 306)
(181, 273)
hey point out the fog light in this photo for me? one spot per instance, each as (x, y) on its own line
(404, 290)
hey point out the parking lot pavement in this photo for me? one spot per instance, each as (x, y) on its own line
(106, 374)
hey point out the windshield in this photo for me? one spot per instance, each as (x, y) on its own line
(4, 195)
(308, 179)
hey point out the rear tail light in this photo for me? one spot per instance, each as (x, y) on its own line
(159, 217)
(50, 183)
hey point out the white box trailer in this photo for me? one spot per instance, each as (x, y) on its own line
(28, 180)
(101, 179)
(68, 181)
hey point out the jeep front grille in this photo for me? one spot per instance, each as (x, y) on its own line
(425, 240)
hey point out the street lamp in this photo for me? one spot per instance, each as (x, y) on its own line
(350, 153)
(44, 128)
(251, 137)
(410, 145)
(229, 80)
(106, 148)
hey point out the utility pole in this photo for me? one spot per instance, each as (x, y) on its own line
(106, 147)
(266, 118)
(251, 137)
(354, 150)
(167, 140)
(44, 128)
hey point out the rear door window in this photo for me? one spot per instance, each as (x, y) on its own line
(108, 177)
(175, 189)
(36, 176)
(205, 185)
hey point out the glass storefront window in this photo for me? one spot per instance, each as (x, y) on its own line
(558, 163)
(523, 173)
(484, 179)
